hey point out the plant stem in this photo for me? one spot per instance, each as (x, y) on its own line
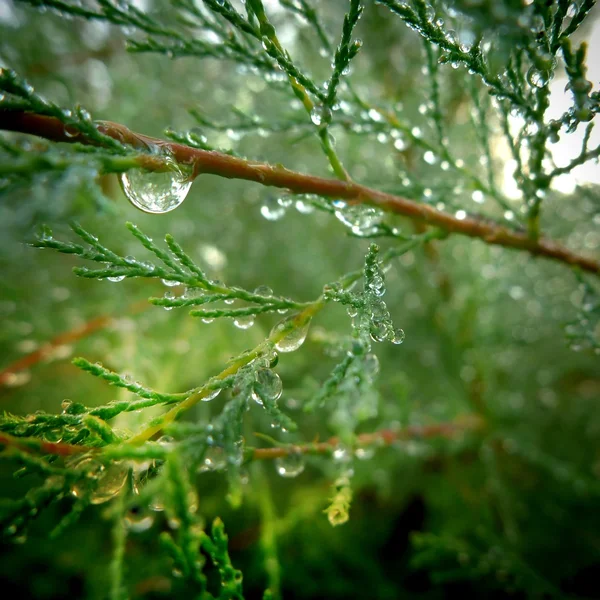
(231, 167)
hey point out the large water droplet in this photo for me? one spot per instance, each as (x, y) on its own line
(156, 192)
(110, 483)
(214, 460)
(398, 336)
(290, 465)
(294, 336)
(268, 383)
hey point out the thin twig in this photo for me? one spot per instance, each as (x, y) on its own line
(231, 167)
(67, 337)
(383, 437)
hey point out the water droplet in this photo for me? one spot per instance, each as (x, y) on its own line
(268, 383)
(156, 192)
(304, 208)
(290, 465)
(138, 519)
(478, 197)
(378, 330)
(263, 290)
(169, 282)
(295, 336)
(211, 394)
(364, 453)
(398, 336)
(111, 482)
(90, 469)
(214, 460)
(244, 322)
(429, 157)
(537, 78)
(116, 278)
(341, 454)
(271, 209)
(320, 115)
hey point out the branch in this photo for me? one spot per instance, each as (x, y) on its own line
(61, 339)
(231, 167)
(383, 437)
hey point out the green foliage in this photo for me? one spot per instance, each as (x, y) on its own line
(457, 457)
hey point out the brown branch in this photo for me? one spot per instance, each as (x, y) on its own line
(223, 165)
(383, 437)
(32, 445)
(67, 337)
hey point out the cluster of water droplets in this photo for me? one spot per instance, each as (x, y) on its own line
(157, 191)
(362, 220)
(274, 208)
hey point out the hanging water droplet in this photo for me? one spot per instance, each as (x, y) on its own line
(295, 336)
(244, 322)
(537, 78)
(320, 115)
(170, 283)
(268, 383)
(271, 209)
(211, 394)
(111, 482)
(305, 208)
(156, 192)
(116, 278)
(429, 157)
(378, 330)
(90, 469)
(398, 336)
(138, 519)
(214, 460)
(290, 465)
(478, 197)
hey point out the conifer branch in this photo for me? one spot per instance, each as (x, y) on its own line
(231, 167)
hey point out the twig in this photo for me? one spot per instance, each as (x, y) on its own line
(383, 437)
(215, 163)
(67, 337)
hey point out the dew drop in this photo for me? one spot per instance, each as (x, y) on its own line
(378, 331)
(398, 336)
(320, 115)
(244, 322)
(263, 290)
(429, 157)
(211, 395)
(271, 210)
(156, 192)
(138, 519)
(290, 465)
(269, 384)
(116, 278)
(214, 460)
(111, 482)
(295, 336)
(169, 282)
